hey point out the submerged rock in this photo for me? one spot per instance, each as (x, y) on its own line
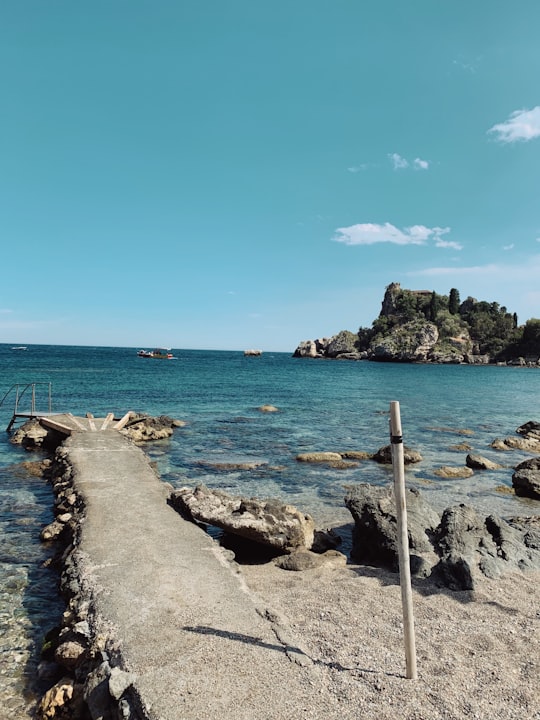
(450, 472)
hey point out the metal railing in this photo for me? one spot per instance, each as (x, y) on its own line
(23, 392)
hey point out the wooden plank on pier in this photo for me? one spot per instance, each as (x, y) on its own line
(54, 425)
(76, 421)
(123, 421)
(108, 420)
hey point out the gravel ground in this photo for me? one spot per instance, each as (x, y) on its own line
(478, 653)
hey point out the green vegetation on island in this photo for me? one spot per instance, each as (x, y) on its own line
(424, 326)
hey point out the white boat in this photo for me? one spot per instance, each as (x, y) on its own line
(19, 347)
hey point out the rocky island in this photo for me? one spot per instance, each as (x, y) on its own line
(423, 326)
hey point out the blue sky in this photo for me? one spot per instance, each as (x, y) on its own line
(232, 174)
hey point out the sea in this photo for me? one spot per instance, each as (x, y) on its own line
(322, 405)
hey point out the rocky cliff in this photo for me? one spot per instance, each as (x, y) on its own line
(422, 326)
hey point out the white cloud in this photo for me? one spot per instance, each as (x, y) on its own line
(521, 125)
(420, 164)
(372, 233)
(500, 272)
(397, 161)
(358, 168)
(451, 244)
(472, 270)
(509, 247)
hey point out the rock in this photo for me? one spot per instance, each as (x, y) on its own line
(454, 551)
(97, 695)
(375, 531)
(319, 457)
(356, 455)
(499, 444)
(119, 681)
(306, 560)
(526, 479)
(268, 409)
(62, 702)
(530, 429)
(70, 654)
(411, 342)
(529, 440)
(32, 435)
(384, 455)
(449, 472)
(344, 343)
(268, 522)
(228, 465)
(469, 545)
(52, 531)
(461, 447)
(521, 443)
(307, 348)
(477, 462)
(143, 428)
(340, 346)
(325, 540)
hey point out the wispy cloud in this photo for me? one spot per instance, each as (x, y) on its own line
(420, 164)
(358, 168)
(521, 125)
(450, 244)
(397, 161)
(509, 247)
(491, 269)
(372, 233)
(6, 311)
(401, 163)
(467, 65)
(499, 271)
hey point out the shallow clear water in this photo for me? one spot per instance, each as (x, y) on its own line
(323, 405)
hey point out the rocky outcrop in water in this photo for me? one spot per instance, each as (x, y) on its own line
(423, 326)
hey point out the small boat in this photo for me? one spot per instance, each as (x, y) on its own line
(157, 353)
(19, 347)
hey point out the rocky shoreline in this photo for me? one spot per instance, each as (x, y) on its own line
(417, 349)
(454, 550)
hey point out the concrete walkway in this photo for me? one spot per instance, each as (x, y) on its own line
(195, 639)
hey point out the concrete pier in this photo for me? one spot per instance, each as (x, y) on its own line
(171, 604)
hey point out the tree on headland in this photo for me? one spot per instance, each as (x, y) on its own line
(453, 301)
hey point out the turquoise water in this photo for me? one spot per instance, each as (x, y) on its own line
(323, 405)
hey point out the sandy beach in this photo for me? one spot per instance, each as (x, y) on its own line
(478, 653)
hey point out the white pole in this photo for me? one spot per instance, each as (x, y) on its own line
(396, 445)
